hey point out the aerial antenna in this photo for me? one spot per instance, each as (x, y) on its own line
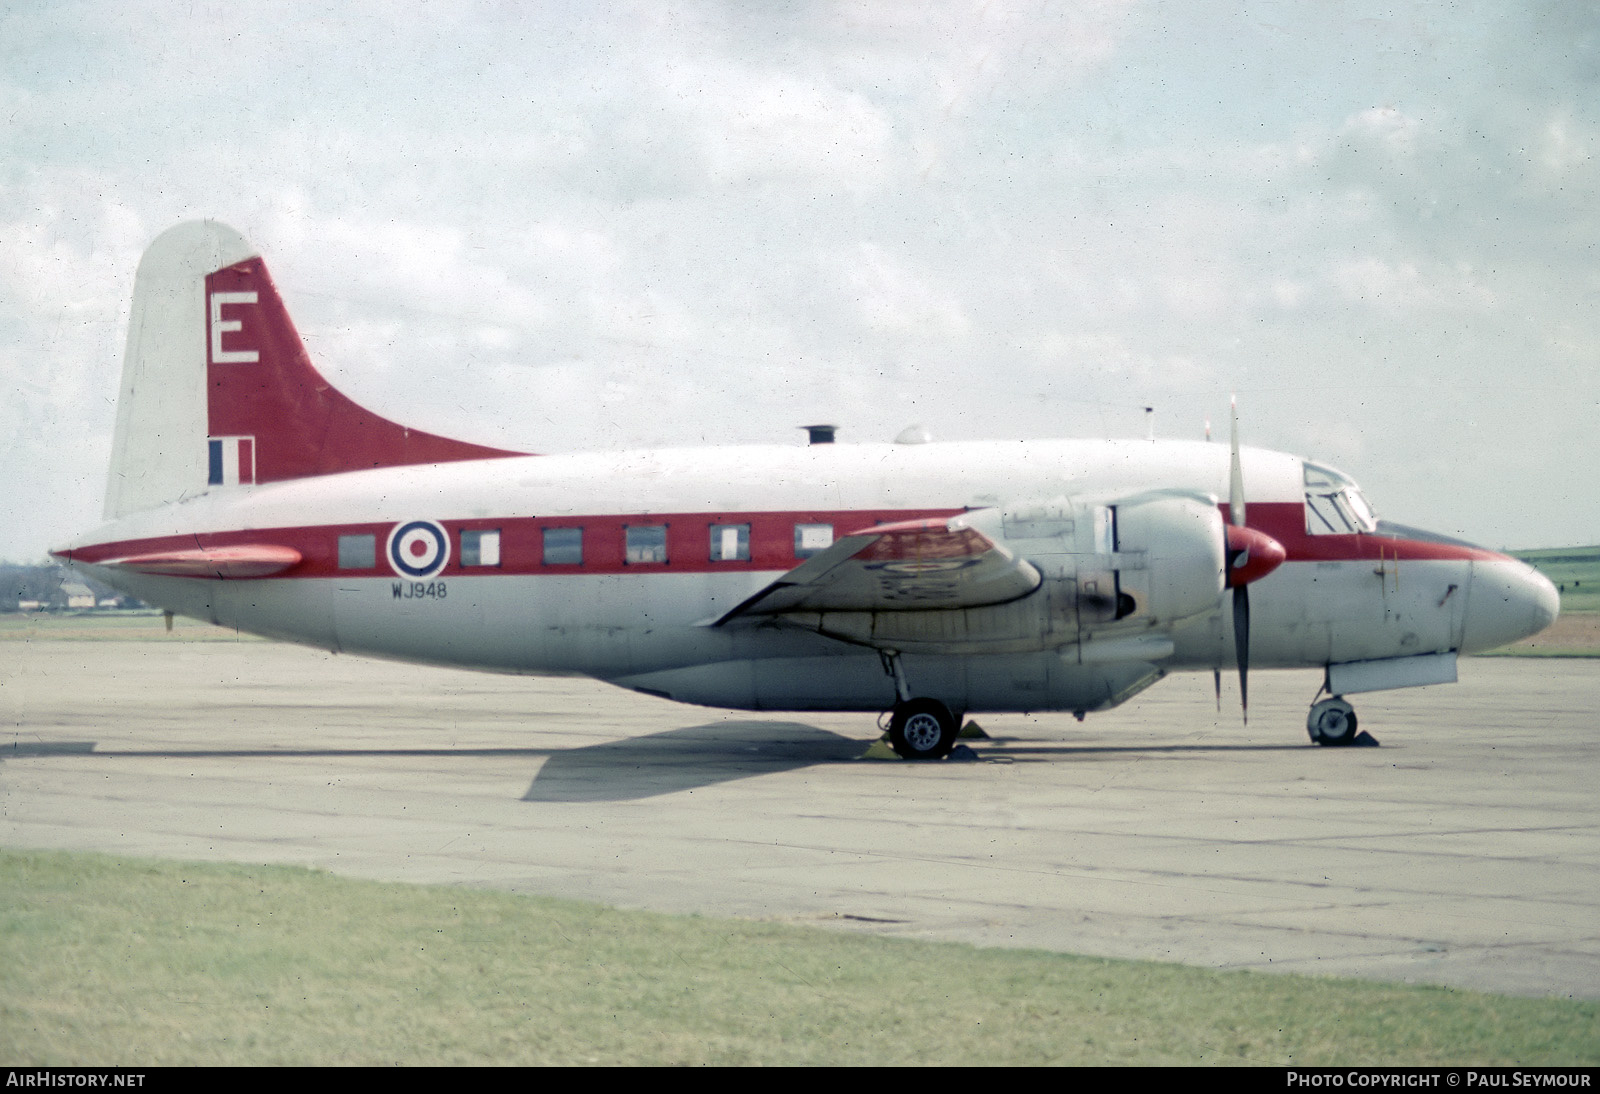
(1150, 421)
(1235, 471)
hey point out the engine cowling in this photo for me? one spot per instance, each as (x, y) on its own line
(1171, 558)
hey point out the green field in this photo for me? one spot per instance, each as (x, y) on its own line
(111, 626)
(108, 961)
(1575, 571)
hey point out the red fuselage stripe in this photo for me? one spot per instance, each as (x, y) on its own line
(771, 541)
(689, 547)
(1285, 521)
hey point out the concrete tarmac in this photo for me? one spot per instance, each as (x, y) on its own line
(1462, 852)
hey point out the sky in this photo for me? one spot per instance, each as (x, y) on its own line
(574, 226)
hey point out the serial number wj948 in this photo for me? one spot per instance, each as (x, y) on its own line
(416, 590)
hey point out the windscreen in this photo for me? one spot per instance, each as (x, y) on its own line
(1334, 505)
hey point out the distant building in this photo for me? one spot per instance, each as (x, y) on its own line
(78, 596)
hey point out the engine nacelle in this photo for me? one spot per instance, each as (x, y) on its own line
(1171, 557)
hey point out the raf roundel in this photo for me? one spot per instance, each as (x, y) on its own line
(418, 549)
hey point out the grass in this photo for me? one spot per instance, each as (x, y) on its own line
(112, 626)
(1575, 571)
(110, 961)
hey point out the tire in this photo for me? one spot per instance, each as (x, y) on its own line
(922, 729)
(1332, 723)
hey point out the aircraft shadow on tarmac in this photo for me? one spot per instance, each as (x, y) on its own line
(29, 749)
(675, 760)
(696, 756)
(687, 758)
(662, 763)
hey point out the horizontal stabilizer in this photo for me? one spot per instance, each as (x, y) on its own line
(241, 561)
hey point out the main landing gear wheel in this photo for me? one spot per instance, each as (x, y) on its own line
(922, 729)
(1332, 723)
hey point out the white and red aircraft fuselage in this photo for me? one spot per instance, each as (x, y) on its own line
(926, 579)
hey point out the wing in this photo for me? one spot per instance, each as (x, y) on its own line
(915, 565)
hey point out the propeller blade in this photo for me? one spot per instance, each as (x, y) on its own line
(1240, 560)
(1241, 645)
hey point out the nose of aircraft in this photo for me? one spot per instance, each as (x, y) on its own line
(1509, 600)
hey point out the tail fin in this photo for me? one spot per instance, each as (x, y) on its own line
(217, 388)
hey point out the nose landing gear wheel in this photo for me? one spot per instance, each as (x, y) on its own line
(922, 729)
(1332, 723)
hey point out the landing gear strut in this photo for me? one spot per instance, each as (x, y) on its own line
(1332, 723)
(919, 729)
(922, 729)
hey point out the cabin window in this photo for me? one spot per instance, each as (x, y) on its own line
(358, 552)
(1334, 505)
(646, 543)
(480, 548)
(730, 543)
(563, 546)
(812, 539)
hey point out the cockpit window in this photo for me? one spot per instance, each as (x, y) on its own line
(1334, 505)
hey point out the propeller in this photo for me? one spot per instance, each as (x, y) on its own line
(1250, 555)
(1236, 558)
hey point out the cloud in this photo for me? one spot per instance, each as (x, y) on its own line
(630, 224)
(751, 126)
(1403, 286)
(889, 297)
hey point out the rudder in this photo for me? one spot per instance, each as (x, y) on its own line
(218, 390)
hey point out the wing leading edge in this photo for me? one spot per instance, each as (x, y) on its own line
(915, 565)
